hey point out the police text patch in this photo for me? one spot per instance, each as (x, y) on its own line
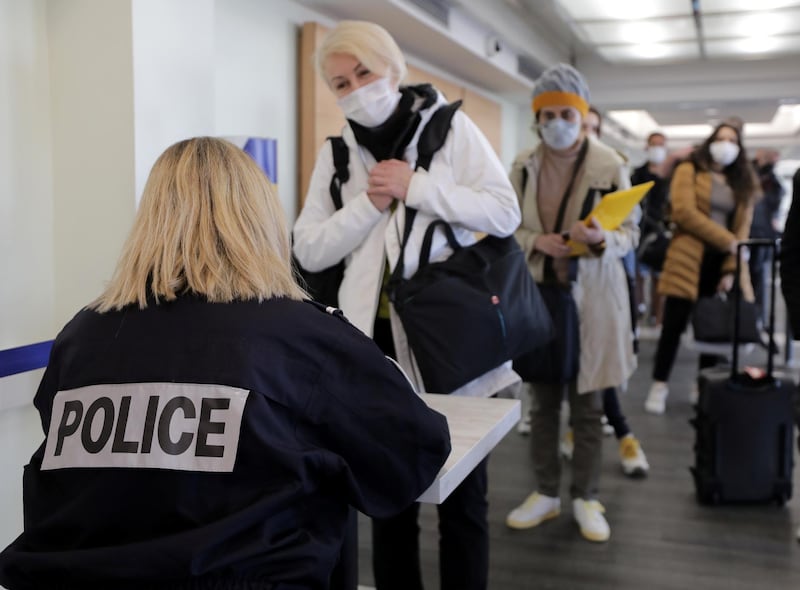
(182, 426)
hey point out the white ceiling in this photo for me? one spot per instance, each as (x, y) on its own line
(703, 82)
(677, 30)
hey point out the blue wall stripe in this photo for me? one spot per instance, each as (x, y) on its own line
(265, 152)
(24, 358)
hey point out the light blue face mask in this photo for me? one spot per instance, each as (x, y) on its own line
(560, 134)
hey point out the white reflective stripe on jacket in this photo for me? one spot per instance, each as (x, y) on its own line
(465, 185)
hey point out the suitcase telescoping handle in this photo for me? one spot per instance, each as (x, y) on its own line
(737, 295)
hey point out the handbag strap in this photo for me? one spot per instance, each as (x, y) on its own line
(427, 241)
(430, 141)
(549, 274)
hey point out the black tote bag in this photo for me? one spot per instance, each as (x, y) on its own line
(713, 320)
(558, 361)
(470, 313)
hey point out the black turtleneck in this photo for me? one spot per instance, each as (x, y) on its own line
(389, 140)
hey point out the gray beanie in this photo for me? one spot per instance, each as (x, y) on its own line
(561, 84)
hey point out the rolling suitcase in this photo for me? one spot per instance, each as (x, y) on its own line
(744, 424)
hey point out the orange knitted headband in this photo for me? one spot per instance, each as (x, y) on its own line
(555, 98)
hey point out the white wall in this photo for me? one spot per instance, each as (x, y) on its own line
(26, 184)
(173, 76)
(91, 80)
(26, 233)
(213, 67)
(522, 117)
(26, 189)
(257, 79)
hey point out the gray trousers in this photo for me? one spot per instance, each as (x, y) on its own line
(586, 410)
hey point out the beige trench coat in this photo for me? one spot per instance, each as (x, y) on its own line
(607, 358)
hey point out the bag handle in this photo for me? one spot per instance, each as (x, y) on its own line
(737, 296)
(430, 141)
(562, 208)
(427, 241)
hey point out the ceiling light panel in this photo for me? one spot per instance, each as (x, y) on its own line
(697, 132)
(582, 10)
(725, 26)
(643, 31)
(711, 6)
(650, 52)
(637, 121)
(753, 46)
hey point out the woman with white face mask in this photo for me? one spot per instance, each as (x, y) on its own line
(558, 182)
(465, 185)
(658, 169)
(712, 197)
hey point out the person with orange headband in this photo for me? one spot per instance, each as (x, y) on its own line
(558, 183)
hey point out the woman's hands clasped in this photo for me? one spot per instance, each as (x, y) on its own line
(553, 245)
(389, 180)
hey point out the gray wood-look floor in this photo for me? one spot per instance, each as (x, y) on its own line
(661, 539)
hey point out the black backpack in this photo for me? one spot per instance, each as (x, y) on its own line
(323, 286)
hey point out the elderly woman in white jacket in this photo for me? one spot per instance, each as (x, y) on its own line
(466, 186)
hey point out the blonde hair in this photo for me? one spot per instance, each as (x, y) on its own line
(209, 222)
(369, 43)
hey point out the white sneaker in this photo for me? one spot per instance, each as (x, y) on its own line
(566, 446)
(608, 430)
(694, 394)
(533, 511)
(634, 462)
(524, 425)
(656, 402)
(524, 395)
(589, 516)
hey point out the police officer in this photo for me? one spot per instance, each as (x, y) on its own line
(206, 427)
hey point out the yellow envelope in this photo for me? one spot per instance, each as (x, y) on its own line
(611, 211)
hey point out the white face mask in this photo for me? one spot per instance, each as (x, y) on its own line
(656, 154)
(560, 134)
(371, 104)
(723, 152)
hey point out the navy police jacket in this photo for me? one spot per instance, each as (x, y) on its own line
(200, 445)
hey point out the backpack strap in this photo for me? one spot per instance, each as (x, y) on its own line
(341, 161)
(435, 133)
(524, 179)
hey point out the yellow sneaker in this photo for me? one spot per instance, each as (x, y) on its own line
(634, 462)
(566, 445)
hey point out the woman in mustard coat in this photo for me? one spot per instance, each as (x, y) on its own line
(712, 198)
